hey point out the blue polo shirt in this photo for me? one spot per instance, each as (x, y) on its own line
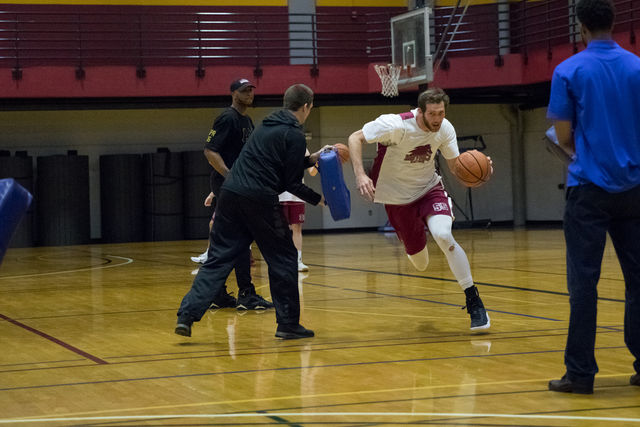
(598, 90)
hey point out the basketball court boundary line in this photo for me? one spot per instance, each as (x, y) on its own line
(430, 300)
(55, 340)
(297, 397)
(324, 414)
(444, 279)
(100, 267)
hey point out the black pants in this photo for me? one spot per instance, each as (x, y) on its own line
(590, 213)
(239, 221)
(241, 266)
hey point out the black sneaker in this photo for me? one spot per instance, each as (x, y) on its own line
(183, 329)
(292, 332)
(253, 301)
(479, 317)
(223, 300)
(565, 385)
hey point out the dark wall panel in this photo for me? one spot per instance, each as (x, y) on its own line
(122, 198)
(163, 208)
(63, 200)
(196, 188)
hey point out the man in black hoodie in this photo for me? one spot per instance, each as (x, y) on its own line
(272, 161)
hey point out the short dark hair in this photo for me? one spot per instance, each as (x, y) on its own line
(596, 15)
(296, 96)
(434, 95)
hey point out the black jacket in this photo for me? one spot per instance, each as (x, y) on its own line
(272, 161)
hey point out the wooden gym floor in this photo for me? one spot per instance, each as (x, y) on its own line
(87, 338)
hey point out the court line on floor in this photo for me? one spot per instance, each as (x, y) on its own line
(495, 285)
(430, 301)
(425, 398)
(77, 270)
(290, 368)
(312, 396)
(360, 415)
(55, 340)
(240, 352)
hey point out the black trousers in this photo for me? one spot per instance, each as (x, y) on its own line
(239, 221)
(241, 266)
(590, 214)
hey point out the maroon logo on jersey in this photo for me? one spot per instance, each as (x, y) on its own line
(419, 154)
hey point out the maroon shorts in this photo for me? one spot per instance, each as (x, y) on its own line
(293, 211)
(409, 220)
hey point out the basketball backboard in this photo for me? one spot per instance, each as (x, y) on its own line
(411, 47)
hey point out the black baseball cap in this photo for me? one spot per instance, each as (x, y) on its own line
(241, 84)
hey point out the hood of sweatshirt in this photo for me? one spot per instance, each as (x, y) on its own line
(281, 117)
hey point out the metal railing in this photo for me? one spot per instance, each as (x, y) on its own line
(203, 39)
(530, 25)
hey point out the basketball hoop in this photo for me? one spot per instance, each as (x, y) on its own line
(389, 75)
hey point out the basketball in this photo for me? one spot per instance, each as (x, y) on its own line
(473, 168)
(343, 152)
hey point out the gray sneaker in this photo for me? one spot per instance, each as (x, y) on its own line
(183, 329)
(253, 301)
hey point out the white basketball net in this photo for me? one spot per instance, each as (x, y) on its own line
(389, 75)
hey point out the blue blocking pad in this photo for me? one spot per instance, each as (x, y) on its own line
(14, 202)
(334, 189)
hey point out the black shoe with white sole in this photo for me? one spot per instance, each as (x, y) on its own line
(479, 317)
(292, 332)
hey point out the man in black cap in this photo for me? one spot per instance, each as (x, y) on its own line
(273, 161)
(230, 131)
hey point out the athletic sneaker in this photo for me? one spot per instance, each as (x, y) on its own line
(200, 259)
(292, 332)
(302, 267)
(252, 301)
(183, 327)
(479, 317)
(223, 300)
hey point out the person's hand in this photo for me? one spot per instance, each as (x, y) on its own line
(322, 201)
(209, 199)
(490, 164)
(365, 187)
(315, 156)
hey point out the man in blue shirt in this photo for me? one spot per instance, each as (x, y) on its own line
(595, 106)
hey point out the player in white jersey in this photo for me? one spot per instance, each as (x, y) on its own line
(405, 180)
(293, 208)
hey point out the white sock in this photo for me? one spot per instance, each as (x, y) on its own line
(299, 256)
(440, 229)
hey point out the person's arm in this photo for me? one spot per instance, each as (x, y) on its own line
(564, 134)
(561, 110)
(215, 160)
(220, 135)
(209, 199)
(451, 163)
(311, 169)
(363, 182)
(295, 164)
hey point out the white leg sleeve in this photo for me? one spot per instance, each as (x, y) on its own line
(420, 260)
(440, 229)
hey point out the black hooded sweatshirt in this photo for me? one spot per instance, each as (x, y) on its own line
(272, 162)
